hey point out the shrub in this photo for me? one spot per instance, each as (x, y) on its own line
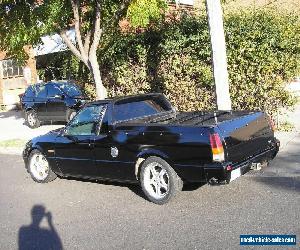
(263, 55)
(174, 57)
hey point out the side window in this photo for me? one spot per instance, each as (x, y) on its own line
(53, 91)
(87, 121)
(131, 110)
(30, 92)
(41, 91)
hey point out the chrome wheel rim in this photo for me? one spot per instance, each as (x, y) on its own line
(156, 180)
(39, 166)
(31, 119)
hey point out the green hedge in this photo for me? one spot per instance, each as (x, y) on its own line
(263, 50)
(263, 55)
(174, 58)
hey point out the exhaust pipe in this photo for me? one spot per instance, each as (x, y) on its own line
(214, 182)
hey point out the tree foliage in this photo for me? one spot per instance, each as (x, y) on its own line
(142, 12)
(24, 22)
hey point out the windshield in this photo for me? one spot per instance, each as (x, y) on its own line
(70, 89)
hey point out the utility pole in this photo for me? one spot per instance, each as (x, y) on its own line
(216, 28)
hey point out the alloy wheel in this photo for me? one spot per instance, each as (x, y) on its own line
(39, 166)
(156, 180)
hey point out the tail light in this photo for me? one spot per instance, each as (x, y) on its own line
(216, 147)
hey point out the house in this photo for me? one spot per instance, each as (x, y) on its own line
(14, 78)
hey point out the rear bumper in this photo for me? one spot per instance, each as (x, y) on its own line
(222, 172)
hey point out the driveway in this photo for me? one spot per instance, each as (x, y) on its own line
(12, 126)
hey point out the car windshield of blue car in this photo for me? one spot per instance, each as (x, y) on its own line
(71, 89)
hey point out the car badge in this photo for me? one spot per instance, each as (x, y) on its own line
(114, 152)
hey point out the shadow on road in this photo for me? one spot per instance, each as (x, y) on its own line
(16, 114)
(286, 183)
(284, 171)
(134, 187)
(35, 237)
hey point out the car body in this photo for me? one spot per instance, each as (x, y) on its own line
(142, 139)
(51, 101)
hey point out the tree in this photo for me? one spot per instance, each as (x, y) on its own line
(23, 23)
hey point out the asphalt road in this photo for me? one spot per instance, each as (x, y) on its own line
(76, 214)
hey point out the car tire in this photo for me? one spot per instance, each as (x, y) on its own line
(32, 119)
(159, 181)
(70, 114)
(39, 168)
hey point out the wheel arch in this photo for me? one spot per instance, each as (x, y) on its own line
(146, 153)
(35, 147)
(29, 109)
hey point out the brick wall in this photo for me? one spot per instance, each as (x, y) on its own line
(12, 87)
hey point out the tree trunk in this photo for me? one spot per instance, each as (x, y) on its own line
(101, 92)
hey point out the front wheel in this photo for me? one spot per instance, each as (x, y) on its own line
(159, 181)
(39, 168)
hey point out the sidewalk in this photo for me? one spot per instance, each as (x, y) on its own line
(12, 127)
(287, 137)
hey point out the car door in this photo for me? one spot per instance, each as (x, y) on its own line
(74, 150)
(113, 159)
(40, 101)
(56, 107)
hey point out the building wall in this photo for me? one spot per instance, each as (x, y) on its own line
(12, 87)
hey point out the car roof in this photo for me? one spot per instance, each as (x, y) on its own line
(137, 97)
(54, 83)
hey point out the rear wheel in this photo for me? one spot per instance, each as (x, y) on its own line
(159, 181)
(32, 119)
(39, 168)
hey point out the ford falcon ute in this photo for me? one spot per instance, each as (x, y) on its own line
(143, 139)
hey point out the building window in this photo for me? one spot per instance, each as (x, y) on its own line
(10, 68)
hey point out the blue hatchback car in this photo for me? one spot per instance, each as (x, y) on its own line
(51, 101)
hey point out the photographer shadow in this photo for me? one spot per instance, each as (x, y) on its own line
(35, 237)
